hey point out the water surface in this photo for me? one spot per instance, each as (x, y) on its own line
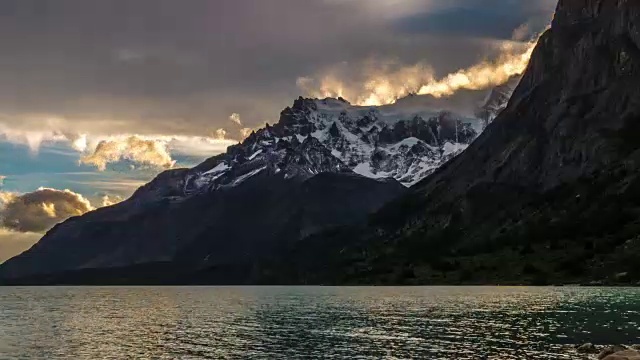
(312, 322)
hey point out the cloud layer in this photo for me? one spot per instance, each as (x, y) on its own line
(38, 211)
(380, 83)
(132, 149)
(113, 68)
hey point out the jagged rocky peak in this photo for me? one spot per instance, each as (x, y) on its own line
(264, 153)
(400, 141)
(405, 141)
(295, 119)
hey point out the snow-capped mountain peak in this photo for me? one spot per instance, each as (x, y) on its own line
(403, 141)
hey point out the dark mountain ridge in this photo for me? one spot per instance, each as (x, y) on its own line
(549, 192)
(228, 214)
(326, 163)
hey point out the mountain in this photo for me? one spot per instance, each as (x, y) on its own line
(326, 163)
(496, 101)
(405, 141)
(549, 192)
(247, 219)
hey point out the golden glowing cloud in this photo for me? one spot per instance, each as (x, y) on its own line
(513, 60)
(111, 200)
(133, 148)
(40, 210)
(235, 118)
(245, 132)
(220, 134)
(385, 82)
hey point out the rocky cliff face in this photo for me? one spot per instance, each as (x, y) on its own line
(549, 192)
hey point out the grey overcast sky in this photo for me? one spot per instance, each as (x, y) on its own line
(138, 66)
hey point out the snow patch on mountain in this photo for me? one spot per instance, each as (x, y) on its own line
(365, 170)
(244, 177)
(218, 169)
(405, 141)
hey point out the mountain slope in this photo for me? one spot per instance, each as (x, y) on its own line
(326, 163)
(234, 225)
(550, 192)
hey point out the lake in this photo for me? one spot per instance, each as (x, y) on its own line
(312, 322)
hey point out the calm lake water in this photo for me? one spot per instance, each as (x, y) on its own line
(312, 322)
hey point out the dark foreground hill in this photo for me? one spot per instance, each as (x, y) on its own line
(230, 228)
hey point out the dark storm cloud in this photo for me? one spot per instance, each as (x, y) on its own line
(182, 67)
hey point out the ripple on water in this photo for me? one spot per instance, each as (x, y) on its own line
(314, 322)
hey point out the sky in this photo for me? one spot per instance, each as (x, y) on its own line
(97, 97)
